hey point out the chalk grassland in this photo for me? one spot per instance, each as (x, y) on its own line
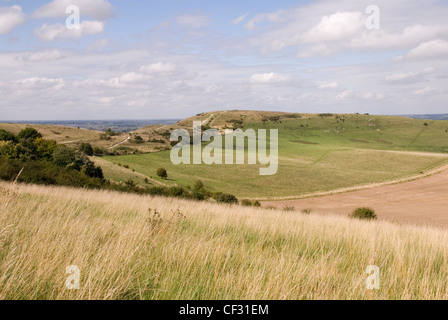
(316, 154)
(203, 250)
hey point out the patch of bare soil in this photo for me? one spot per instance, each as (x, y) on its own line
(418, 202)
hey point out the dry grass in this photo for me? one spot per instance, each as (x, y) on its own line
(189, 250)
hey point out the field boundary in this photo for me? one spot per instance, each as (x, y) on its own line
(433, 170)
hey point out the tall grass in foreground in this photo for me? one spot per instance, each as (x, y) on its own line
(191, 250)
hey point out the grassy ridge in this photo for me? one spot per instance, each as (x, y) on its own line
(316, 153)
(203, 250)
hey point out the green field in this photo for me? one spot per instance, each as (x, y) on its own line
(316, 153)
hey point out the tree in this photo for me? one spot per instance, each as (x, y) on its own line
(29, 133)
(7, 136)
(161, 172)
(86, 148)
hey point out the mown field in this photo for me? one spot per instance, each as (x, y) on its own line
(316, 154)
(191, 250)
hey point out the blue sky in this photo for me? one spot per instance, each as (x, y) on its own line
(173, 59)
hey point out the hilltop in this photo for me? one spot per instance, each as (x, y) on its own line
(318, 152)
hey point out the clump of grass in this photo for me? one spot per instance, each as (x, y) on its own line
(364, 213)
(307, 211)
(287, 208)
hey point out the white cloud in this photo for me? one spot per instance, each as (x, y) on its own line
(58, 31)
(239, 19)
(40, 82)
(344, 94)
(331, 85)
(426, 91)
(96, 9)
(98, 45)
(159, 67)
(268, 78)
(193, 21)
(271, 17)
(132, 77)
(44, 55)
(336, 27)
(10, 17)
(434, 48)
(403, 77)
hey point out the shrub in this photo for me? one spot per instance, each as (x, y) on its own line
(138, 140)
(7, 136)
(226, 198)
(286, 208)
(86, 148)
(161, 172)
(307, 211)
(29, 133)
(364, 213)
(98, 151)
(246, 203)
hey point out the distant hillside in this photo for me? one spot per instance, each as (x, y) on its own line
(443, 116)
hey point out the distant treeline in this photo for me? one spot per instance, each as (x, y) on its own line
(103, 125)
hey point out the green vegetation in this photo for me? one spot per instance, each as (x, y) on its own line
(364, 213)
(317, 155)
(161, 172)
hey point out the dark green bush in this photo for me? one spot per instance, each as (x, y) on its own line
(29, 133)
(161, 172)
(364, 213)
(226, 198)
(7, 136)
(86, 148)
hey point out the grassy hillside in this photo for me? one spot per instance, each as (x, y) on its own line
(203, 251)
(317, 153)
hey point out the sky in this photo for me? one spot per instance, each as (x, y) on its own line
(172, 59)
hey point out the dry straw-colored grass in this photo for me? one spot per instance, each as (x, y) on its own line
(190, 250)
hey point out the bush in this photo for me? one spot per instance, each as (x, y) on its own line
(364, 213)
(161, 172)
(29, 133)
(138, 140)
(86, 148)
(226, 198)
(246, 203)
(7, 136)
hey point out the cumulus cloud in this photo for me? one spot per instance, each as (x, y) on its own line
(344, 94)
(336, 27)
(96, 9)
(159, 67)
(10, 17)
(430, 49)
(58, 31)
(193, 21)
(268, 78)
